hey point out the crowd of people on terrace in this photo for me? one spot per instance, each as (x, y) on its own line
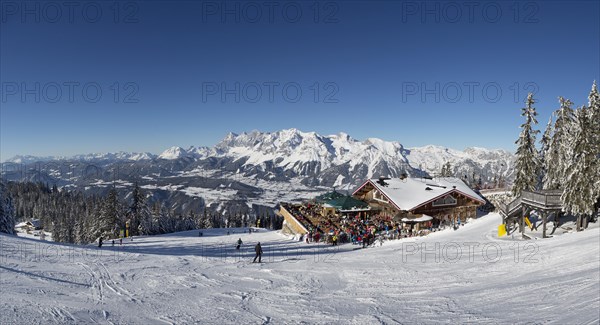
(358, 229)
(302, 213)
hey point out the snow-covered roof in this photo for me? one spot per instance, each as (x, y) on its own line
(37, 223)
(21, 224)
(410, 193)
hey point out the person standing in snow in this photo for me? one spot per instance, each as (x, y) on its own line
(239, 243)
(100, 242)
(258, 251)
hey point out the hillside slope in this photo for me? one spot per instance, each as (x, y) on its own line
(181, 278)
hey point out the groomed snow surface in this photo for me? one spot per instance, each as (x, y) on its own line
(463, 276)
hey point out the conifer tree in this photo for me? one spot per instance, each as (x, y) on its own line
(527, 157)
(7, 217)
(556, 157)
(545, 147)
(546, 138)
(594, 116)
(138, 211)
(446, 170)
(207, 222)
(110, 217)
(579, 193)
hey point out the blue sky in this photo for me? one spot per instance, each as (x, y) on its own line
(187, 73)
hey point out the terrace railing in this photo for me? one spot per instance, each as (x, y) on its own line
(511, 207)
(545, 200)
(549, 199)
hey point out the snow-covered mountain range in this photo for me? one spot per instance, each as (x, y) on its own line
(133, 156)
(308, 153)
(263, 167)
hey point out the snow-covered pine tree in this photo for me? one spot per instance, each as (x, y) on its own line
(594, 116)
(94, 224)
(145, 227)
(68, 227)
(556, 159)
(166, 221)
(446, 170)
(207, 220)
(7, 216)
(189, 221)
(110, 215)
(579, 191)
(545, 147)
(138, 211)
(57, 230)
(149, 224)
(81, 236)
(546, 138)
(527, 157)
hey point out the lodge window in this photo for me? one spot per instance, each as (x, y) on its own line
(445, 201)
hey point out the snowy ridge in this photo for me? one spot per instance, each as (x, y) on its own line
(491, 162)
(173, 153)
(121, 155)
(292, 149)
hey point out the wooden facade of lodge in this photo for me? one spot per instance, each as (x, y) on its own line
(446, 199)
(464, 209)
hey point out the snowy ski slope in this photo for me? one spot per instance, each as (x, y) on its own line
(464, 276)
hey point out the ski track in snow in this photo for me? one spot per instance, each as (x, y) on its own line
(181, 278)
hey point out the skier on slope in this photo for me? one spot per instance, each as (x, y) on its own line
(259, 251)
(100, 242)
(239, 243)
